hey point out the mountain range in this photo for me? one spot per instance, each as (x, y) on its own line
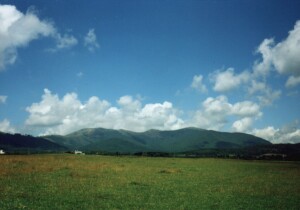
(182, 140)
(124, 141)
(190, 142)
(17, 143)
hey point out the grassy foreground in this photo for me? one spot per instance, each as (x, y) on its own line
(103, 182)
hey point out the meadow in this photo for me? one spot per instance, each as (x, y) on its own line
(110, 182)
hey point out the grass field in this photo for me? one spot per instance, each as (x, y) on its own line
(104, 182)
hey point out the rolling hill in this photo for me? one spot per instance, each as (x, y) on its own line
(182, 140)
(17, 143)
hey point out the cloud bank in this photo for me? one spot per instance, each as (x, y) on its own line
(68, 114)
(55, 115)
(215, 112)
(287, 134)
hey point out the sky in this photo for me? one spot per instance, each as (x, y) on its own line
(227, 65)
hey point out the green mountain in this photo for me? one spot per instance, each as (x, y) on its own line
(182, 140)
(17, 143)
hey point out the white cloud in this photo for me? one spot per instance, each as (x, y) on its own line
(50, 110)
(286, 53)
(267, 133)
(263, 68)
(129, 104)
(290, 137)
(287, 134)
(257, 86)
(228, 80)
(64, 42)
(3, 99)
(217, 105)
(292, 81)
(90, 40)
(215, 112)
(264, 93)
(269, 96)
(160, 116)
(283, 56)
(55, 115)
(198, 85)
(18, 30)
(246, 108)
(242, 125)
(6, 127)
(68, 114)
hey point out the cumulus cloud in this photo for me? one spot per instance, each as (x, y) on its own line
(263, 92)
(17, 30)
(6, 127)
(269, 96)
(67, 114)
(263, 68)
(198, 85)
(283, 56)
(3, 99)
(217, 105)
(55, 115)
(286, 53)
(90, 40)
(287, 134)
(289, 137)
(246, 109)
(257, 86)
(242, 125)
(292, 81)
(49, 111)
(215, 112)
(267, 133)
(65, 41)
(228, 80)
(129, 104)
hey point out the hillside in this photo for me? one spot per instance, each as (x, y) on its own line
(182, 140)
(17, 143)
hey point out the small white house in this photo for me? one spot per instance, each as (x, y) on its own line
(77, 152)
(2, 152)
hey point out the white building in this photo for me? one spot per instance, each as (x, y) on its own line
(2, 152)
(77, 152)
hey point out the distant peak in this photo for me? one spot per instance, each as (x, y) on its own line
(153, 130)
(192, 128)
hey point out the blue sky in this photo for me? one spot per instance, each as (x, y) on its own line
(137, 65)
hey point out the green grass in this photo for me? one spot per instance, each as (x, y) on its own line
(103, 182)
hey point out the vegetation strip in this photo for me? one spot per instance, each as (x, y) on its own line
(127, 182)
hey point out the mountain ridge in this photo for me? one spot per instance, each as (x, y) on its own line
(181, 140)
(18, 143)
(188, 142)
